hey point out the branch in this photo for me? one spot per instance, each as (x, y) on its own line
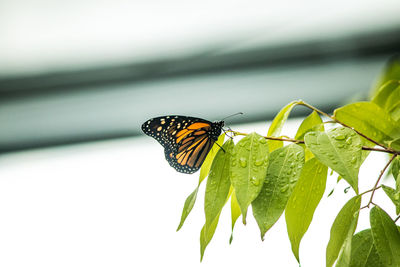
(345, 125)
(377, 181)
(287, 139)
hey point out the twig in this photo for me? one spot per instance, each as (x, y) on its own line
(379, 178)
(398, 217)
(287, 139)
(369, 190)
(345, 125)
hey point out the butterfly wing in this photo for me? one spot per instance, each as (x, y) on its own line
(186, 140)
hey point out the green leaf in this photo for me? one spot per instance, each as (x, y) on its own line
(394, 112)
(370, 120)
(217, 193)
(283, 172)
(277, 125)
(393, 99)
(187, 207)
(394, 196)
(304, 200)
(205, 169)
(386, 237)
(343, 227)
(235, 212)
(340, 150)
(206, 235)
(390, 72)
(218, 183)
(363, 251)
(384, 92)
(395, 144)
(249, 167)
(312, 123)
(396, 167)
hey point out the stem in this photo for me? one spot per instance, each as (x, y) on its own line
(398, 217)
(272, 137)
(345, 125)
(365, 192)
(287, 139)
(379, 178)
(390, 151)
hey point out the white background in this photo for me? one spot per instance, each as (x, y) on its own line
(118, 203)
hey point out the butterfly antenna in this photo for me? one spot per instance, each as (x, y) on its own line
(239, 113)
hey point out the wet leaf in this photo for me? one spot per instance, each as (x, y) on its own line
(277, 125)
(312, 123)
(340, 150)
(205, 169)
(218, 183)
(370, 120)
(206, 235)
(283, 172)
(249, 167)
(304, 200)
(235, 212)
(342, 228)
(386, 237)
(394, 196)
(363, 251)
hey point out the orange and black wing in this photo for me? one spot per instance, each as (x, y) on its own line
(186, 140)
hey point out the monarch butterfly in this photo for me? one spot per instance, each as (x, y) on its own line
(186, 140)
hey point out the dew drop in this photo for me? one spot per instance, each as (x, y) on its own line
(281, 154)
(396, 196)
(340, 137)
(258, 162)
(243, 162)
(255, 181)
(263, 141)
(284, 189)
(348, 141)
(353, 160)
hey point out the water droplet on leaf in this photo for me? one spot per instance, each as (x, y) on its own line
(255, 181)
(284, 189)
(243, 162)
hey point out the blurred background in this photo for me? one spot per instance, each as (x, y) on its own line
(80, 184)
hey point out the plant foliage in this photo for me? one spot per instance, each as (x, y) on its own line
(276, 174)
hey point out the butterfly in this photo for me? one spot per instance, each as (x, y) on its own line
(186, 140)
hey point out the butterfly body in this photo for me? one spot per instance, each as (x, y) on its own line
(186, 140)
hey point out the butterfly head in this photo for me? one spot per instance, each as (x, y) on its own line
(216, 129)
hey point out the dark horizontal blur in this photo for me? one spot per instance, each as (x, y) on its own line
(111, 100)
